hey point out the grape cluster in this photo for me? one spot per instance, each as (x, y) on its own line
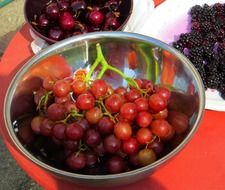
(204, 44)
(60, 19)
(98, 129)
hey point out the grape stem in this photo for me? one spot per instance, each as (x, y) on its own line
(105, 66)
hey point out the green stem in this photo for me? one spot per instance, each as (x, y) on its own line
(92, 69)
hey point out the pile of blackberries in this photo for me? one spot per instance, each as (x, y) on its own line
(204, 44)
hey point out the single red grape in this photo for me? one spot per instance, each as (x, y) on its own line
(61, 100)
(132, 95)
(74, 132)
(162, 129)
(93, 115)
(111, 144)
(71, 106)
(76, 161)
(58, 131)
(83, 123)
(157, 103)
(56, 112)
(99, 149)
(105, 126)
(128, 111)
(92, 137)
(115, 164)
(113, 103)
(79, 87)
(141, 104)
(46, 127)
(122, 130)
(61, 88)
(85, 101)
(130, 146)
(164, 93)
(99, 88)
(146, 156)
(144, 119)
(120, 90)
(157, 146)
(144, 135)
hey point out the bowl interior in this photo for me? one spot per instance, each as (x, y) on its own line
(30, 13)
(135, 55)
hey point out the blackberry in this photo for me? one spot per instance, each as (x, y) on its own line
(207, 53)
(208, 14)
(213, 81)
(220, 34)
(196, 52)
(221, 50)
(218, 8)
(211, 38)
(184, 39)
(196, 12)
(221, 67)
(195, 39)
(206, 27)
(196, 26)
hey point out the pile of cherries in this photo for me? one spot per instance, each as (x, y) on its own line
(101, 129)
(60, 19)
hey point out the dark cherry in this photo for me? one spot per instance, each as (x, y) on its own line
(55, 34)
(78, 5)
(52, 10)
(96, 17)
(111, 23)
(66, 21)
(112, 5)
(43, 21)
(63, 5)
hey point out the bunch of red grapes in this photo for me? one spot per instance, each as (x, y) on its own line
(98, 126)
(60, 19)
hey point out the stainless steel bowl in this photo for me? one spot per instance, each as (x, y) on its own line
(152, 59)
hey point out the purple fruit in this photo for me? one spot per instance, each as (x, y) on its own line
(66, 21)
(52, 10)
(55, 34)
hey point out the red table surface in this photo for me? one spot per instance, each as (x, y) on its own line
(200, 165)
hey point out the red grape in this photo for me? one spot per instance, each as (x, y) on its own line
(132, 95)
(157, 103)
(144, 135)
(58, 131)
(70, 145)
(141, 104)
(120, 90)
(74, 132)
(162, 129)
(164, 93)
(70, 106)
(128, 111)
(92, 137)
(46, 127)
(91, 159)
(56, 112)
(161, 114)
(122, 130)
(61, 88)
(115, 164)
(85, 101)
(111, 144)
(93, 115)
(105, 126)
(146, 156)
(76, 161)
(130, 146)
(79, 87)
(144, 119)
(99, 88)
(113, 103)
